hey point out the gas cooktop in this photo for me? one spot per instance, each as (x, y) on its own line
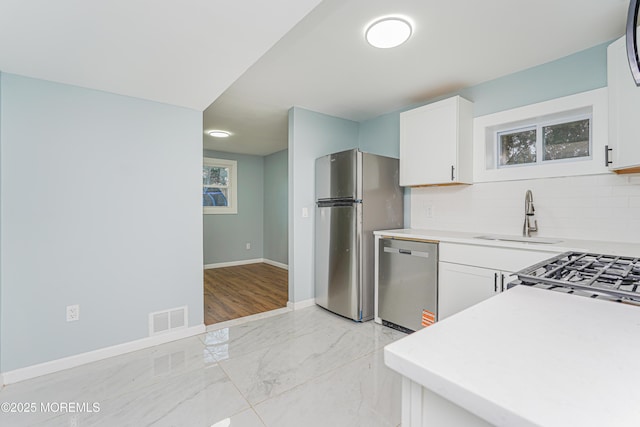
(593, 275)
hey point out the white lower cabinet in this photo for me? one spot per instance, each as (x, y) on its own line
(469, 274)
(422, 407)
(461, 286)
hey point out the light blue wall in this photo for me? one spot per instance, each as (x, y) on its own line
(576, 73)
(226, 236)
(381, 135)
(311, 135)
(582, 71)
(276, 212)
(99, 206)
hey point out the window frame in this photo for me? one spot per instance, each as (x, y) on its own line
(593, 102)
(538, 125)
(232, 187)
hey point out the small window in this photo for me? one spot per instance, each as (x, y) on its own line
(561, 140)
(566, 140)
(517, 147)
(570, 136)
(219, 186)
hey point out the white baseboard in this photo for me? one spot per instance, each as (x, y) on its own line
(275, 263)
(301, 304)
(232, 263)
(33, 371)
(245, 262)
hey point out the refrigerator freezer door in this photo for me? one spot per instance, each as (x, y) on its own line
(407, 282)
(336, 176)
(336, 259)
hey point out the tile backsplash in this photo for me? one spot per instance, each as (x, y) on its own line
(593, 207)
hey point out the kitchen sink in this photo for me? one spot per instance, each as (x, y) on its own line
(543, 240)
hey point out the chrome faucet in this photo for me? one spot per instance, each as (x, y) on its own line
(529, 211)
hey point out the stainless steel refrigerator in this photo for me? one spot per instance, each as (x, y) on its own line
(356, 193)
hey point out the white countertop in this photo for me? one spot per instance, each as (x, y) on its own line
(532, 357)
(607, 248)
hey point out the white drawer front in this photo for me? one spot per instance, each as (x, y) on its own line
(505, 259)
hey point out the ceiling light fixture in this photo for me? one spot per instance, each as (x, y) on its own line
(219, 133)
(388, 32)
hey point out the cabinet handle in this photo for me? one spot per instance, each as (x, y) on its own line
(607, 162)
(452, 168)
(501, 282)
(495, 282)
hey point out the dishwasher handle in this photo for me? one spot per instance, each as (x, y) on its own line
(406, 252)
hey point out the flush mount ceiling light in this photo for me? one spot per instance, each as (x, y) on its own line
(388, 32)
(219, 133)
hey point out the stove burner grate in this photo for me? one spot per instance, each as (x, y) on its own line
(616, 276)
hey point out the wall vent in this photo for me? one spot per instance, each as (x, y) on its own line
(161, 322)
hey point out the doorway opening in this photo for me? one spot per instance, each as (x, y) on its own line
(246, 251)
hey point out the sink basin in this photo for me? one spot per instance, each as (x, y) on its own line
(543, 240)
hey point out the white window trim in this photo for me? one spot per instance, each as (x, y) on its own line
(593, 103)
(232, 198)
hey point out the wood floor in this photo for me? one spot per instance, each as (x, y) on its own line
(233, 292)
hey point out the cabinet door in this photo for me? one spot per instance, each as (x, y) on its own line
(428, 139)
(624, 105)
(461, 286)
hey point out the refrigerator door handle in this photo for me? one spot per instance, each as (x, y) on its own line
(335, 203)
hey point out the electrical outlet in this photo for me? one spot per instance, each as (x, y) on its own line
(73, 313)
(428, 211)
(248, 246)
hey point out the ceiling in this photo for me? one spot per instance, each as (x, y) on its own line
(184, 53)
(325, 65)
(249, 71)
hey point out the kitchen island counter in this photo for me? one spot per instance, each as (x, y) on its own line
(526, 357)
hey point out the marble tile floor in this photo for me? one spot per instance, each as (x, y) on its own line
(301, 368)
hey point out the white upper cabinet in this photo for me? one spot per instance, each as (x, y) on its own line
(624, 110)
(436, 143)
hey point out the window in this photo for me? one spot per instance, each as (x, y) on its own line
(559, 137)
(561, 140)
(219, 186)
(517, 147)
(567, 140)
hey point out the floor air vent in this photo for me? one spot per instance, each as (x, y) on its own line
(167, 320)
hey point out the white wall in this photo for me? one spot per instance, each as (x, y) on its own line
(594, 207)
(100, 206)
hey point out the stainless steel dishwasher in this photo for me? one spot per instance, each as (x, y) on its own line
(407, 283)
